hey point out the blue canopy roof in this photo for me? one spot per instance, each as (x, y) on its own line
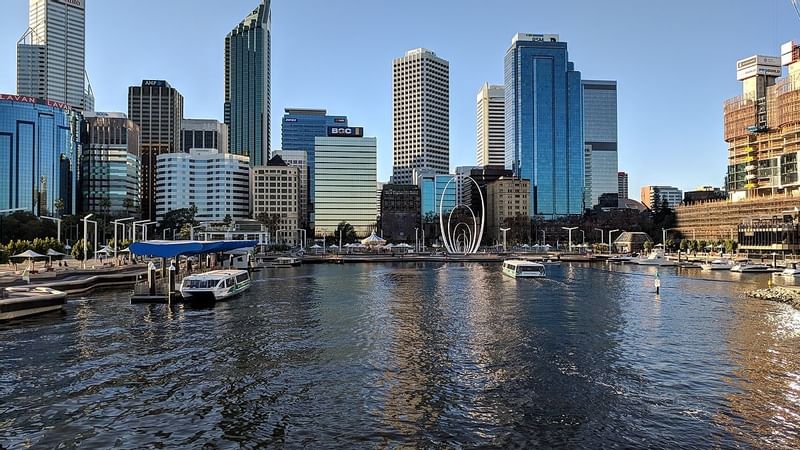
(171, 249)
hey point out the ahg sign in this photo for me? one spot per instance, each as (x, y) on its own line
(345, 132)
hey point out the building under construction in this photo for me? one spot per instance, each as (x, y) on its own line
(762, 129)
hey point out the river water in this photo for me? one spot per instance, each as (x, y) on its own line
(415, 355)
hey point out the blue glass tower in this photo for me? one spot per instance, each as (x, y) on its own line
(39, 151)
(300, 127)
(247, 85)
(544, 124)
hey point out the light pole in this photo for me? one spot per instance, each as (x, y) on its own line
(144, 228)
(583, 237)
(423, 239)
(133, 229)
(305, 236)
(544, 238)
(58, 224)
(416, 240)
(504, 230)
(86, 238)
(609, 240)
(570, 235)
(664, 237)
(191, 231)
(117, 223)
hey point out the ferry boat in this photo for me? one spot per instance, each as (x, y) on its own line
(515, 268)
(18, 302)
(750, 268)
(718, 264)
(286, 261)
(215, 285)
(655, 258)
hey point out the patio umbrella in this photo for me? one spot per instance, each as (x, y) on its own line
(51, 254)
(30, 255)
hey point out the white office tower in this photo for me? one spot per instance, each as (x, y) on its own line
(491, 125)
(218, 184)
(51, 55)
(421, 97)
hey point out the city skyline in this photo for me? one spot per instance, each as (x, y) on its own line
(651, 56)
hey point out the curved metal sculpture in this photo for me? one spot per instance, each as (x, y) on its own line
(469, 239)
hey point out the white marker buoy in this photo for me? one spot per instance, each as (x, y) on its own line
(657, 284)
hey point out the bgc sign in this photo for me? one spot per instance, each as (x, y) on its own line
(354, 132)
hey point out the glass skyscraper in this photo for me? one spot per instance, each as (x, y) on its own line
(247, 85)
(544, 124)
(39, 152)
(299, 129)
(600, 134)
(434, 188)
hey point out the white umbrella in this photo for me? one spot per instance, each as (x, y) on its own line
(30, 254)
(315, 247)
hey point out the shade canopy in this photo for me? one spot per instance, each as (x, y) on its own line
(172, 249)
(51, 252)
(315, 247)
(30, 254)
(374, 239)
(404, 245)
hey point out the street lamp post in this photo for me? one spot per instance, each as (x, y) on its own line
(504, 230)
(416, 240)
(544, 238)
(58, 224)
(664, 237)
(303, 242)
(191, 231)
(144, 228)
(133, 228)
(609, 240)
(117, 223)
(570, 235)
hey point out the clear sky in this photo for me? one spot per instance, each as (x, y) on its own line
(674, 62)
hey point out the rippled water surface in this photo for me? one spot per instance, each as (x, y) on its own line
(427, 355)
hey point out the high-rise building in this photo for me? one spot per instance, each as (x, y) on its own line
(506, 200)
(622, 185)
(544, 124)
(110, 165)
(276, 193)
(491, 125)
(400, 214)
(421, 97)
(600, 139)
(483, 176)
(299, 128)
(346, 180)
(157, 108)
(654, 197)
(204, 133)
(436, 189)
(247, 85)
(298, 159)
(39, 152)
(217, 183)
(51, 55)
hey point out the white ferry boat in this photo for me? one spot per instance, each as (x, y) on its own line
(750, 268)
(286, 261)
(515, 268)
(18, 302)
(215, 285)
(718, 264)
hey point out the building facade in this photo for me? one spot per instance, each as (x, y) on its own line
(204, 133)
(157, 108)
(600, 139)
(435, 189)
(421, 100)
(217, 184)
(110, 165)
(39, 152)
(247, 85)
(51, 55)
(483, 176)
(622, 185)
(345, 186)
(507, 200)
(299, 129)
(400, 213)
(491, 125)
(654, 197)
(544, 124)
(276, 194)
(298, 159)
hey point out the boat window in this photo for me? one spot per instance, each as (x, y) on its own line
(241, 278)
(528, 269)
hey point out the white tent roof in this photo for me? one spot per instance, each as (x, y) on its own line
(316, 247)
(30, 254)
(51, 252)
(373, 239)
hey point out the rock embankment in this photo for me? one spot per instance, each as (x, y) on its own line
(778, 294)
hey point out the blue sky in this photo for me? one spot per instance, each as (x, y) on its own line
(674, 62)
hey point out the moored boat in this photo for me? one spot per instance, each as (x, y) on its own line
(745, 267)
(655, 258)
(286, 261)
(516, 268)
(18, 302)
(789, 272)
(215, 285)
(718, 264)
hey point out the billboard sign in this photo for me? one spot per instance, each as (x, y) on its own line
(346, 132)
(758, 65)
(34, 100)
